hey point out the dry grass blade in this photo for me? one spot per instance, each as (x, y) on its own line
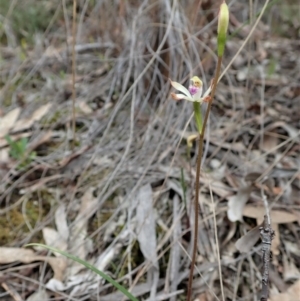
(12, 292)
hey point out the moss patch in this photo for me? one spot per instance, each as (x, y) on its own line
(13, 226)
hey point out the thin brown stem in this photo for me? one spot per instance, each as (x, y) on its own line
(74, 69)
(196, 209)
(197, 185)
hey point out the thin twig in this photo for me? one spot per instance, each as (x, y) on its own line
(74, 69)
(197, 185)
(267, 234)
(12, 292)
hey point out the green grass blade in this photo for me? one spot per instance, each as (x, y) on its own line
(90, 267)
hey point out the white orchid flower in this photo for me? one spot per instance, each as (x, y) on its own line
(194, 92)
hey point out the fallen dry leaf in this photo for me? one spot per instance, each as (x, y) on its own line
(292, 132)
(55, 285)
(79, 244)
(237, 146)
(175, 253)
(146, 233)
(236, 203)
(61, 222)
(292, 247)
(146, 224)
(276, 240)
(269, 142)
(84, 107)
(9, 255)
(53, 239)
(252, 176)
(41, 138)
(4, 155)
(8, 121)
(247, 241)
(218, 187)
(277, 216)
(38, 114)
(292, 294)
(202, 297)
(290, 271)
(40, 295)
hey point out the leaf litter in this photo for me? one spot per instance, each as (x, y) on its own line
(146, 234)
(81, 195)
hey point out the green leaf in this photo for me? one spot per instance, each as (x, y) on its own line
(23, 144)
(13, 152)
(32, 155)
(8, 139)
(92, 268)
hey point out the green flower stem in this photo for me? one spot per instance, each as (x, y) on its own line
(198, 116)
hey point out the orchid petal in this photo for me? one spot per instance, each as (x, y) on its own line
(207, 91)
(181, 88)
(181, 96)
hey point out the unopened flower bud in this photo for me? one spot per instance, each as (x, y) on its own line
(222, 27)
